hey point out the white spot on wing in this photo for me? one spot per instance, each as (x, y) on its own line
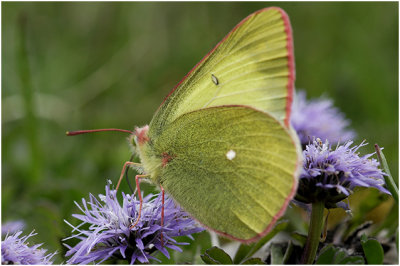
(231, 154)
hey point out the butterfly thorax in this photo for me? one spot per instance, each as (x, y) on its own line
(151, 164)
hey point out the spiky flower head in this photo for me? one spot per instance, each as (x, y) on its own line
(15, 250)
(12, 227)
(108, 234)
(330, 175)
(318, 118)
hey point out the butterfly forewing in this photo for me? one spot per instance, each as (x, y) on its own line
(252, 65)
(231, 167)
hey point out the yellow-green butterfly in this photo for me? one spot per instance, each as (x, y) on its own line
(220, 144)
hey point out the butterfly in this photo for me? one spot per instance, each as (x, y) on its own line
(220, 143)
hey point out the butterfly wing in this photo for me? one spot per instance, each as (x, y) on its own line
(253, 65)
(232, 167)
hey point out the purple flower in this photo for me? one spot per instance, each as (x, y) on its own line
(108, 234)
(331, 175)
(12, 227)
(14, 250)
(319, 119)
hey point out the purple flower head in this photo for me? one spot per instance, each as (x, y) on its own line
(108, 234)
(331, 175)
(15, 250)
(12, 227)
(318, 119)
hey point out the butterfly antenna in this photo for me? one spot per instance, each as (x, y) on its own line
(78, 132)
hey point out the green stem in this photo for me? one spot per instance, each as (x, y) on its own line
(314, 233)
(27, 92)
(391, 185)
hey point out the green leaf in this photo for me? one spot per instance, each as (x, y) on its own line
(215, 255)
(373, 250)
(253, 261)
(352, 260)
(276, 254)
(241, 253)
(288, 253)
(246, 251)
(334, 255)
(363, 238)
(326, 256)
(301, 238)
(339, 256)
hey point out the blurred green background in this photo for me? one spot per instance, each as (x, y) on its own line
(69, 66)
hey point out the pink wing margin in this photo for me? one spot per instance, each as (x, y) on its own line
(291, 65)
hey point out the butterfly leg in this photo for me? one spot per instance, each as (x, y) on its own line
(162, 213)
(137, 177)
(123, 172)
(137, 187)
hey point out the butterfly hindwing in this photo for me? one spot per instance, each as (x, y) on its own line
(231, 167)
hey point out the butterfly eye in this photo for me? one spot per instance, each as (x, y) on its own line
(133, 140)
(214, 79)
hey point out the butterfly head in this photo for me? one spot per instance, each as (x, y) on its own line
(140, 135)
